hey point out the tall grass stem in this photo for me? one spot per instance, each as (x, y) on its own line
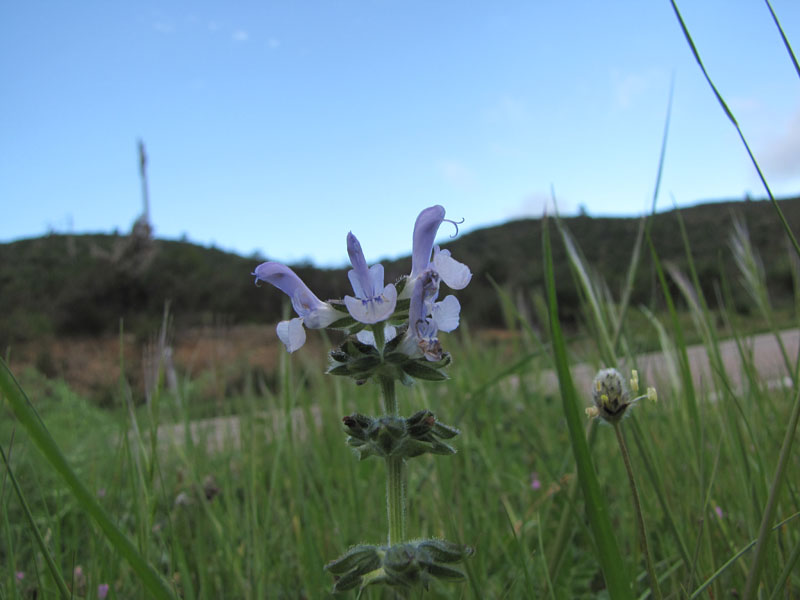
(51, 563)
(637, 508)
(735, 123)
(608, 553)
(754, 575)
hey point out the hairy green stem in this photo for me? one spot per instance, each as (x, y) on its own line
(396, 499)
(395, 475)
(389, 396)
(651, 572)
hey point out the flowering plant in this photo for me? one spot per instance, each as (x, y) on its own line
(392, 334)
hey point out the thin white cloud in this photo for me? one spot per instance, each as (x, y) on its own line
(743, 104)
(781, 157)
(456, 174)
(273, 43)
(507, 110)
(628, 88)
(240, 35)
(536, 204)
(163, 27)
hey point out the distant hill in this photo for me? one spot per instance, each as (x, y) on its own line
(83, 284)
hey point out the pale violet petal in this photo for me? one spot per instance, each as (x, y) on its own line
(373, 310)
(355, 281)
(305, 302)
(286, 280)
(426, 290)
(360, 276)
(292, 334)
(389, 332)
(428, 340)
(365, 336)
(425, 228)
(356, 254)
(409, 345)
(322, 316)
(375, 279)
(455, 274)
(446, 313)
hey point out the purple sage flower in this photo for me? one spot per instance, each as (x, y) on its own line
(719, 512)
(20, 575)
(312, 312)
(373, 302)
(535, 483)
(102, 591)
(421, 338)
(455, 274)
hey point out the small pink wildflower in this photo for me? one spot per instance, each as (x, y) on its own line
(20, 575)
(535, 483)
(102, 591)
(719, 512)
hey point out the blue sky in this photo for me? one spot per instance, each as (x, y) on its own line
(277, 127)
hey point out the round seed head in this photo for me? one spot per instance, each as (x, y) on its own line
(610, 395)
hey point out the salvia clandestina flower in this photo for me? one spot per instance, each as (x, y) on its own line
(312, 312)
(455, 274)
(421, 338)
(373, 302)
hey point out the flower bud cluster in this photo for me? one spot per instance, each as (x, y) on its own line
(361, 361)
(402, 565)
(402, 437)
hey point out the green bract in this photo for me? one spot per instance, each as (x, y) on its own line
(388, 435)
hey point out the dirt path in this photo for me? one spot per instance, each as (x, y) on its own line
(661, 370)
(655, 368)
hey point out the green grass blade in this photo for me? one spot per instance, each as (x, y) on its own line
(600, 317)
(788, 568)
(680, 344)
(48, 557)
(753, 577)
(661, 494)
(783, 37)
(645, 225)
(551, 591)
(732, 119)
(566, 525)
(30, 420)
(522, 553)
(596, 508)
(733, 559)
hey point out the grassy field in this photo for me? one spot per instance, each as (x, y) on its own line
(261, 514)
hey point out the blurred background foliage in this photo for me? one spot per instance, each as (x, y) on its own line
(66, 285)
